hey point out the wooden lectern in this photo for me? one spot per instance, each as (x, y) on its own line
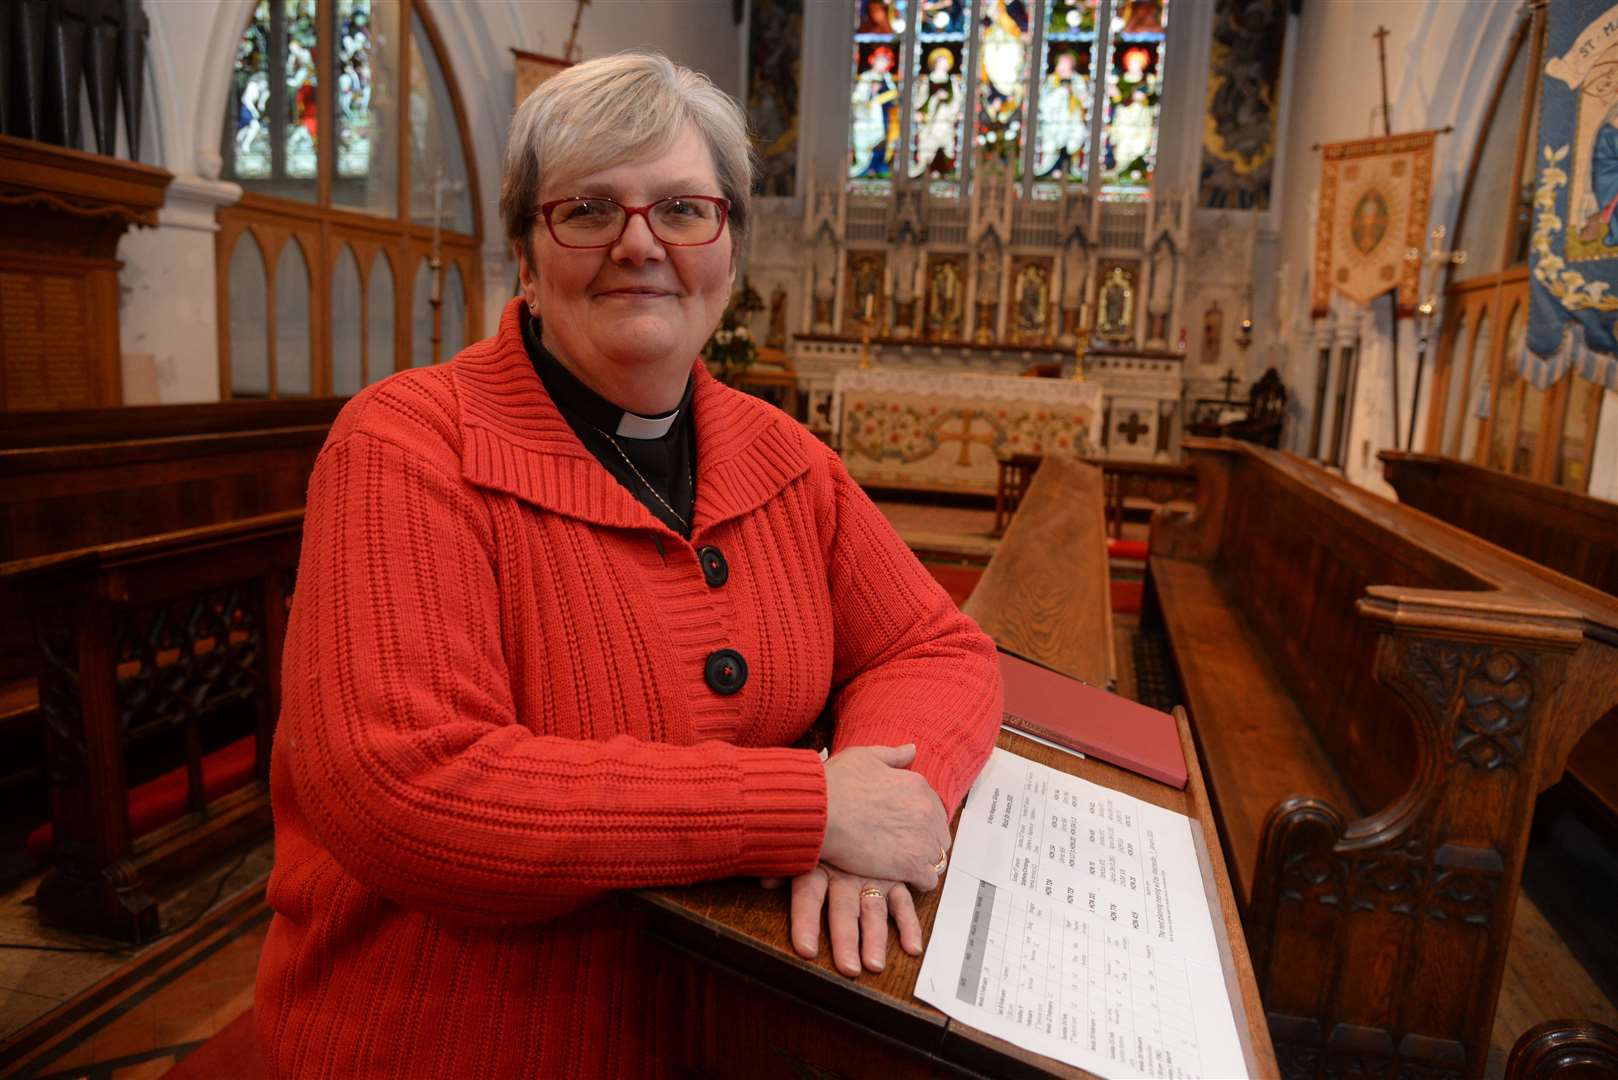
(757, 1009)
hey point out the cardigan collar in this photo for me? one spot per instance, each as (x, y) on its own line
(515, 440)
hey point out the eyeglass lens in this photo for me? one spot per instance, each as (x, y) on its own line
(675, 220)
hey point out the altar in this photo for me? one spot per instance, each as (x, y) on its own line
(949, 431)
(1136, 393)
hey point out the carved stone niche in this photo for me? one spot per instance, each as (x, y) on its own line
(62, 213)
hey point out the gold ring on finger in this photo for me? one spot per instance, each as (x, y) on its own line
(877, 893)
(943, 860)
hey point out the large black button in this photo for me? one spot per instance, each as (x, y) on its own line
(714, 567)
(726, 671)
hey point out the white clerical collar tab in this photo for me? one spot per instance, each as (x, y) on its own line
(632, 426)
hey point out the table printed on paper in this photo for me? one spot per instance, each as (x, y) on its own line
(1074, 924)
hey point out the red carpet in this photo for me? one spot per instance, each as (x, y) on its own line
(233, 1052)
(1126, 597)
(158, 802)
(958, 581)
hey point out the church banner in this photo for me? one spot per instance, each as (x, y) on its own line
(1573, 252)
(1373, 209)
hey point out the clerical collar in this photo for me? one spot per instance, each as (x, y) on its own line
(572, 395)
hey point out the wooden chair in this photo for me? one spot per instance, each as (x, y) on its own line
(1378, 699)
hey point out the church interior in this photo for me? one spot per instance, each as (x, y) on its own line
(1230, 355)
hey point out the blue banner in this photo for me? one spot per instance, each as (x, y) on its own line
(1573, 253)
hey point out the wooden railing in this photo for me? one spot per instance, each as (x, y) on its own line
(168, 630)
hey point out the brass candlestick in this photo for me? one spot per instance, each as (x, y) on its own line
(1081, 341)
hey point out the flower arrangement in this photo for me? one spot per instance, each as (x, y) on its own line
(731, 351)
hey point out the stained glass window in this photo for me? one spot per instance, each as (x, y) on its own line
(366, 88)
(1066, 90)
(1134, 95)
(249, 136)
(1003, 79)
(1093, 92)
(302, 90)
(354, 85)
(873, 129)
(938, 89)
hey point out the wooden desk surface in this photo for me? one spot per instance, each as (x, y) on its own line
(742, 927)
(1046, 596)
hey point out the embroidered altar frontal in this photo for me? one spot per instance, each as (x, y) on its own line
(946, 432)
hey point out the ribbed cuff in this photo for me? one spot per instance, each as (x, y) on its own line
(783, 803)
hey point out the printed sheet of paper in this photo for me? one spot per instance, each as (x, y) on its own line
(1074, 923)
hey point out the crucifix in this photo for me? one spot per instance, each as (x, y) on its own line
(1381, 36)
(1230, 380)
(1437, 257)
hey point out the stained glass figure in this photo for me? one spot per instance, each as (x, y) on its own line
(1062, 134)
(1134, 96)
(874, 128)
(354, 82)
(366, 86)
(1002, 76)
(939, 100)
(941, 18)
(250, 135)
(1072, 17)
(302, 90)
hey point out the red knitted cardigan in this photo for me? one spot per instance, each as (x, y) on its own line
(495, 715)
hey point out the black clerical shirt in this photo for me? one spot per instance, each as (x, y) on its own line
(660, 471)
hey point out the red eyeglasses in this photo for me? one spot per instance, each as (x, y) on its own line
(590, 221)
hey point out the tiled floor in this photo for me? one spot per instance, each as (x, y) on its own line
(158, 1028)
(180, 1008)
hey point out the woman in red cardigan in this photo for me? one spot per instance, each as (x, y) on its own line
(564, 606)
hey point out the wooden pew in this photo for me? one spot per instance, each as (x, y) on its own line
(71, 480)
(1565, 1050)
(164, 629)
(1045, 594)
(1573, 534)
(1378, 699)
(763, 1011)
(1155, 482)
(72, 427)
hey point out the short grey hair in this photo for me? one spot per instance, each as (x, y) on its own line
(626, 107)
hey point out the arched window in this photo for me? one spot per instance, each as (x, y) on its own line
(347, 133)
(1060, 90)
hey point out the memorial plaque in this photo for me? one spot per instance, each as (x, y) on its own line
(46, 355)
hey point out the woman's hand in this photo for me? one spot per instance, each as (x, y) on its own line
(857, 911)
(883, 821)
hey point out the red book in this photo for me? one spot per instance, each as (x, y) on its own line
(1070, 712)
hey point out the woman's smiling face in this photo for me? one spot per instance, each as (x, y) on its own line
(630, 319)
